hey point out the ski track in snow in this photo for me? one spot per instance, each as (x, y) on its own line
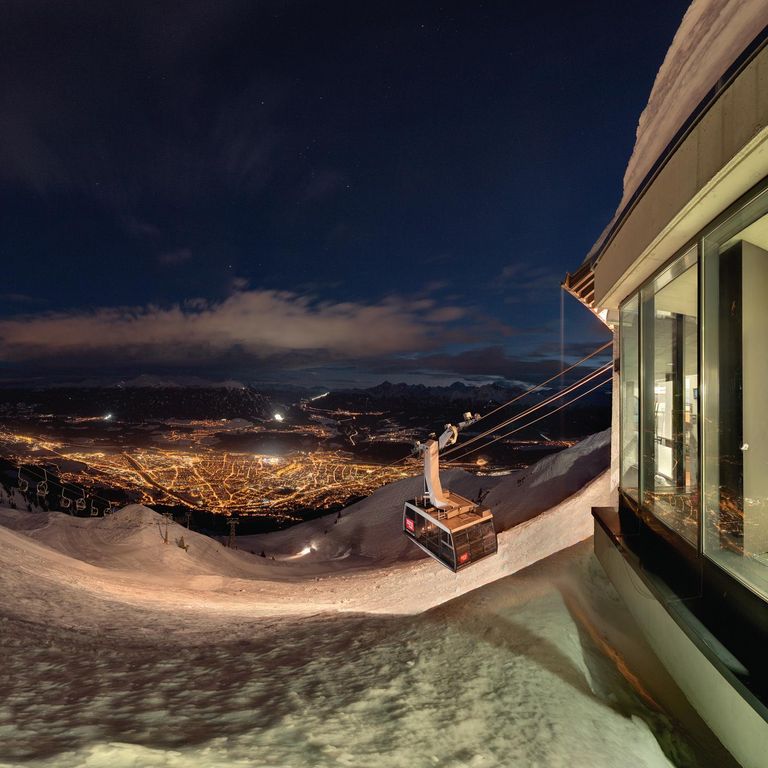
(121, 650)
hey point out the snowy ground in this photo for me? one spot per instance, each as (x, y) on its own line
(121, 650)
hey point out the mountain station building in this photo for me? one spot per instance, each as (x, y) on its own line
(681, 275)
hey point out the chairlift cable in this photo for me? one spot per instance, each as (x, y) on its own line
(31, 469)
(60, 483)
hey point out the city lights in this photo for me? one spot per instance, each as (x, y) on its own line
(222, 482)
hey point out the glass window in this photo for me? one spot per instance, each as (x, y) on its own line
(670, 392)
(629, 394)
(735, 339)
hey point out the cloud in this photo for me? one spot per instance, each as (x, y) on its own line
(524, 368)
(255, 324)
(521, 282)
(20, 298)
(175, 257)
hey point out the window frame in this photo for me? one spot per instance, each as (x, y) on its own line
(683, 259)
(742, 209)
(746, 211)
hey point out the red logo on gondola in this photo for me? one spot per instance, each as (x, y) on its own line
(463, 558)
(409, 525)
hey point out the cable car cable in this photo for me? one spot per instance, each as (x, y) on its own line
(552, 398)
(530, 423)
(544, 383)
(597, 351)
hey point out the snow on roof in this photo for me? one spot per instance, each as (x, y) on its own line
(711, 36)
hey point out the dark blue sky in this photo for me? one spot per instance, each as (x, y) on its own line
(316, 192)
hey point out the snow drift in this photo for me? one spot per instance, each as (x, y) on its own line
(711, 36)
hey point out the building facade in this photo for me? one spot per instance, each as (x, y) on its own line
(682, 277)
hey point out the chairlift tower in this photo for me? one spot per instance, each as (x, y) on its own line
(232, 539)
(168, 519)
(455, 531)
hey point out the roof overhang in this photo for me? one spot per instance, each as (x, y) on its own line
(581, 285)
(613, 282)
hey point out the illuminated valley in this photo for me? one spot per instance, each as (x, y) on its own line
(201, 477)
(273, 458)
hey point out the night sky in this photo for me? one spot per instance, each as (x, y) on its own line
(328, 193)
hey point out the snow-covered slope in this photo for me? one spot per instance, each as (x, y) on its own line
(133, 540)
(120, 649)
(544, 669)
(360, 563)
(371, 528)
(546, 483)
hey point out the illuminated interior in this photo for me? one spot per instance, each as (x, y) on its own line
(671, 390)
(735, 366)
(682, 432)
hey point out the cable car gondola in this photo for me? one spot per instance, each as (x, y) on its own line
(453, 530)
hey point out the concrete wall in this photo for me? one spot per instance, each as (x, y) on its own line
(723, 156)
(738, 726)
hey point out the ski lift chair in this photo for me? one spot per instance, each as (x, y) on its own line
(23, 483)
(42, 486)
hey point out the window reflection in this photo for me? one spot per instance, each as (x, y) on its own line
(629, 383)
(670, 398)
(736, 438)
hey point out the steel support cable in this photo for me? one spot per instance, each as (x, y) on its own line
(597, 351)
(530, 423)
(544, 383)
(552, 398)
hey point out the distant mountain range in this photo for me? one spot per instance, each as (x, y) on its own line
(457, 392)
(146, 399)
(140, 404)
